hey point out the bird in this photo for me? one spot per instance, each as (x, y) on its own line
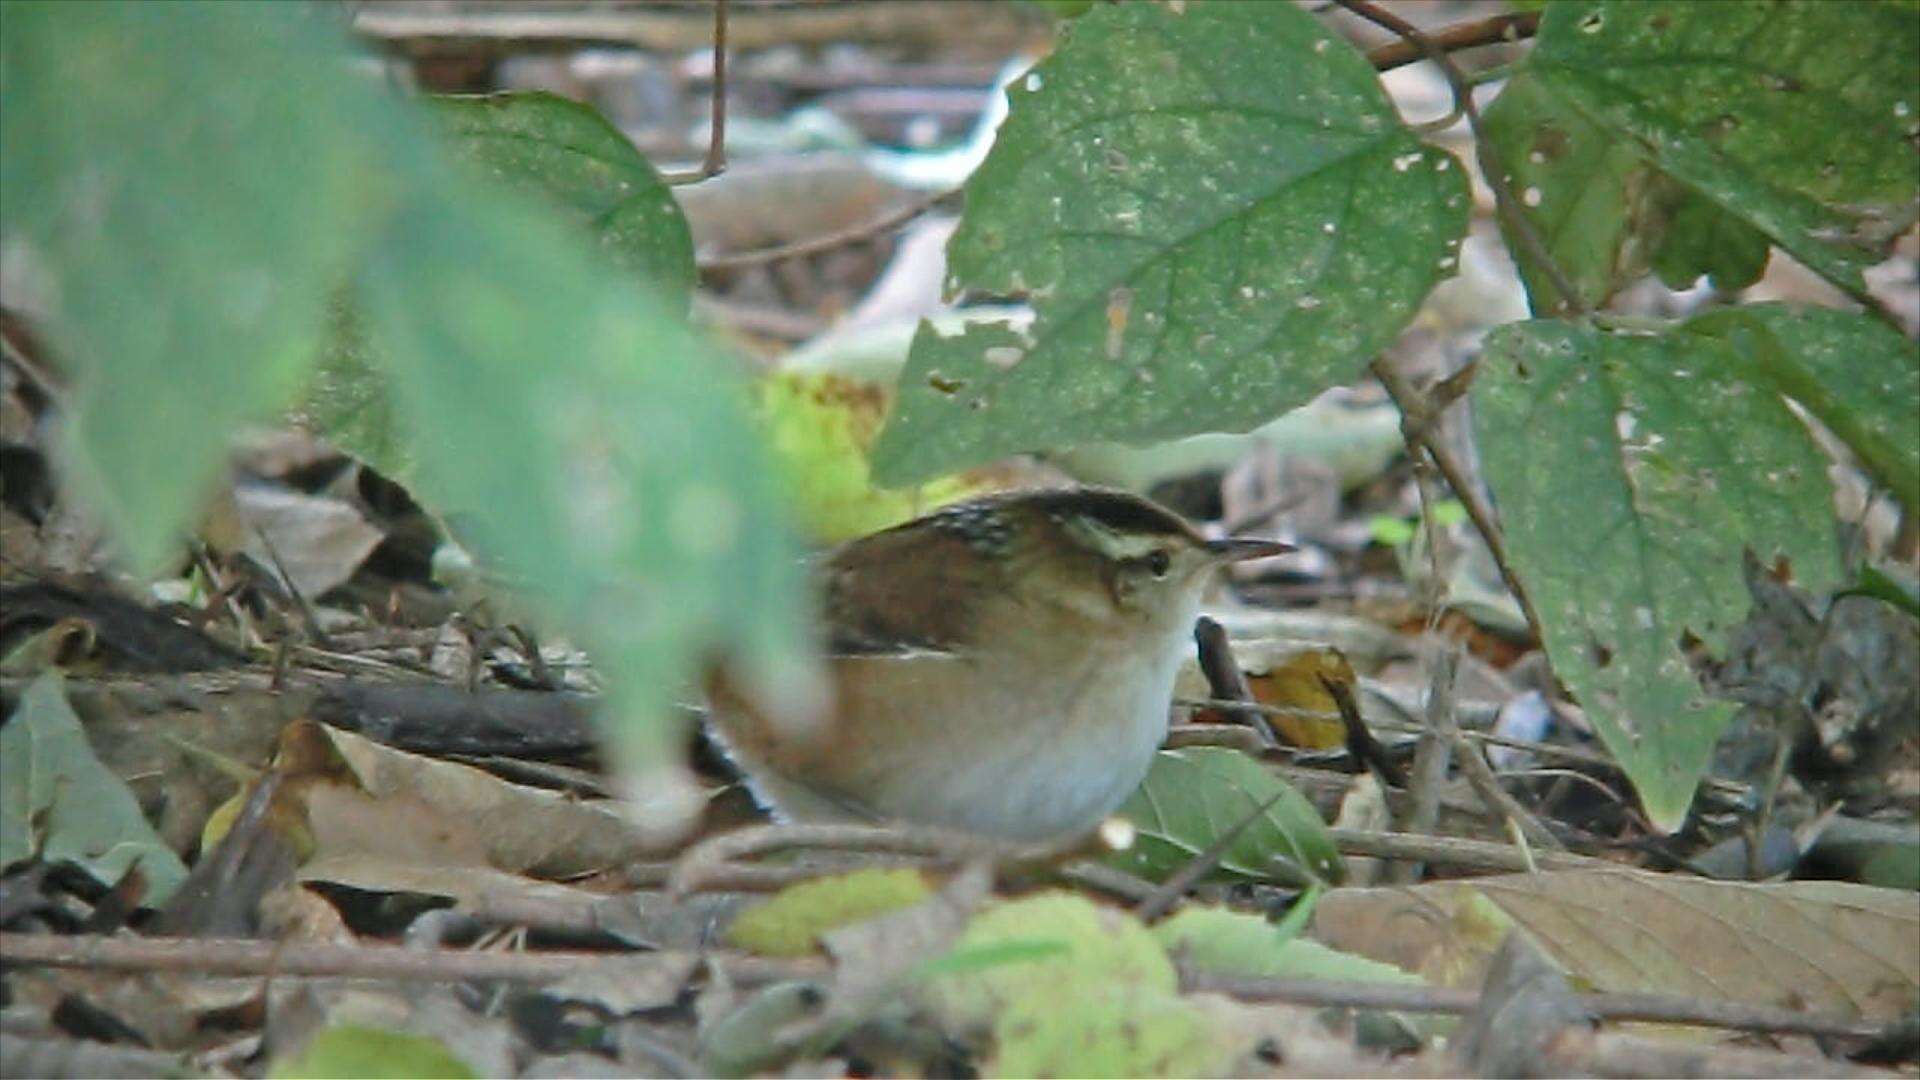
(1002, 666)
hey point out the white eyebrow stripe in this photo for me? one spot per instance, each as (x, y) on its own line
(1114, 545)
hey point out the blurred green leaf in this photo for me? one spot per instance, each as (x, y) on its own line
(1234, 943)
(348, 401)
(191, 210)
(57, 801)
(354, 1052)
(1191, 797)
(199, 181)
(1216, 213)
(1797, 116)
(790, 922)
(1103, 1001)
(566, 154)
(1859, 377)
(615, 478)
(1631, 470)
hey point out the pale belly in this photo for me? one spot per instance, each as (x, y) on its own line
(1031, 765)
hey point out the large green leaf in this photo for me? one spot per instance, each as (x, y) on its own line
(595, 447)
(567, 155)
(1216, 213)
(57, 801)
(1631, 470)
(190, 210)
(1193, 797)
(1797, 116)
(1860, 377)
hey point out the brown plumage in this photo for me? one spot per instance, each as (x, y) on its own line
(1002, 664)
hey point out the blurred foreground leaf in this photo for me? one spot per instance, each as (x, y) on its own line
(1099, 1000)
(356, 1052)
(198, 181)
(791, 921)
(191, 209)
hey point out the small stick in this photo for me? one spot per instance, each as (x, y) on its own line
(825, 241)
(218, 956)
(715, 161)
(1455, 851)
(1499, 29)
(1225, 680)
(1361, 745)
(1655, 1008)
(1410, 403)
(691, 871)
(1429, 763)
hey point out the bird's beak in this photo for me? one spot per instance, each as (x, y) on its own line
(1239, 549)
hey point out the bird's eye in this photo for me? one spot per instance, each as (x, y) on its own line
(1158, 563)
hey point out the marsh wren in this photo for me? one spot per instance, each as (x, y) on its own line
(1003, 665)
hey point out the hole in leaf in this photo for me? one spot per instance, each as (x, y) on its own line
(1599, 653)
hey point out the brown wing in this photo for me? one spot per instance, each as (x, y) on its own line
(907, 589)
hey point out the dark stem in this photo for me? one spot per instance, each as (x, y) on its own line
(1419, 434)
(1509, 27)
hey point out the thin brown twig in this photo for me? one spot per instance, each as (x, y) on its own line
(694, 868)
(1491, 167)
(1225, 679)
(1655, 1008)
(825, 241)
(1473, 765)
(1431, 755)
(218, 956)
(1411, 403)
(1497, 30)
(715, 161)
(1458, 851)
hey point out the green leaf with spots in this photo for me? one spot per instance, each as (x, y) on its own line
(567, 155)
(164, 169)
(1631, 470)
(1216, 213)
(1797, 117)
(1860, 377)
(1192, 797)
